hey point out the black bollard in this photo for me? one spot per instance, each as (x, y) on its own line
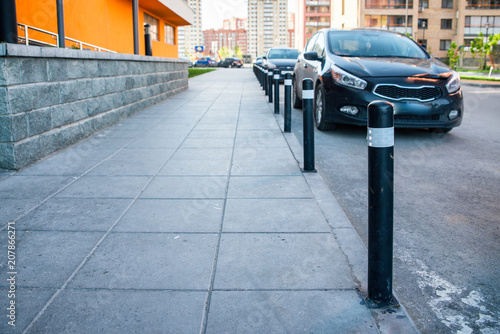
(147, 40)
(266, 86)
(276, 91)
(288, 102)
(307, 102)
(380, 202)
(8, 22)
(270, 85)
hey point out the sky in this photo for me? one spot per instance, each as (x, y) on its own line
(215, 11)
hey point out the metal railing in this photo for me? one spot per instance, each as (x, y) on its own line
(31, 41)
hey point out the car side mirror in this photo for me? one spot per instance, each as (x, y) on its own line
(265, 58)
(313, 55)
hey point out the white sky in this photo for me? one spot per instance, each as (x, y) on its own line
(215, 11)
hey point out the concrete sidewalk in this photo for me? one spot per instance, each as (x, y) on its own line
(192, 216)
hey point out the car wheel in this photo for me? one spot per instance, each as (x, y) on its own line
(297, 103)
(319, 109)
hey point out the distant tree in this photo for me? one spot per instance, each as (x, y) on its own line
(237, 52)
(224, 52)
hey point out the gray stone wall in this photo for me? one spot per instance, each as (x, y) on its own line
(50, 98)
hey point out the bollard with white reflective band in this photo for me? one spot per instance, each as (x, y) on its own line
(380, 138)
(288, 102)
(270, 85)
(307, 103)
(276, 91)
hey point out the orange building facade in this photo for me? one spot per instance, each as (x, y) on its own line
(107, 23)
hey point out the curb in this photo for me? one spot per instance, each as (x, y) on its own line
(479, 83)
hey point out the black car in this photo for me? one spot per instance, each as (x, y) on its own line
(230, 62)
(283, 59)
(351, 68)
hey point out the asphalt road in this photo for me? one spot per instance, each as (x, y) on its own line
(446, 212)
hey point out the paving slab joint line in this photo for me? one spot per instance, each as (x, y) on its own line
(389, 319)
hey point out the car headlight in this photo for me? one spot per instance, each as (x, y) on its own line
(346, 79)
(453, 83)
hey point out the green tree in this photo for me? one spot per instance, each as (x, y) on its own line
(224, 52)
(478, 51)
(237, 52)
(454, 55)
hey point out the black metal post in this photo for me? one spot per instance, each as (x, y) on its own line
(8, 21)
(307, 103)
(147, 40)
(270, 85)
(135, 22)
(276, 91)
(380, 201)
(60, 24)
(288, 102)
(266, 86)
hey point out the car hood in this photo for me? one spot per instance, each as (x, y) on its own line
(394, 67)
(283, 62)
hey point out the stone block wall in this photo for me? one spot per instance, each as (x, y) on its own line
(51, 98)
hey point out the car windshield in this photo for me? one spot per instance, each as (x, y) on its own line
(357, 43)
(283, 54)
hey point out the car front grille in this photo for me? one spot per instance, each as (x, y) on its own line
(396, 92)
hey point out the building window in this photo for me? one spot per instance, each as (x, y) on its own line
(446, 3)
(153, 22)
(446, 23)
(488, 25)
(444, 44)
(169, 34)
(482, 4)
(384, 4)
(389, 22)
(423, 4)
(423, 24)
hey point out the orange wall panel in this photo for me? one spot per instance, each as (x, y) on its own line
(104, 23)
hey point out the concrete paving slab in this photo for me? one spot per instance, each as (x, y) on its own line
(104, 311)
(150, 261)
(281, 261)
(28, 303)
(265, 167)
(154, 143)
(196, 167)
(74, 214)
(288, 312)
(31, 187)
(268, 187)
(266, 142)
(134, 162)
(200, 215)
(45, 259)
(91, 186)
(220, 134)
(11, 209)
(261, 153)
(203, 154)
(208, 143)
(273, 215)
(186, 187)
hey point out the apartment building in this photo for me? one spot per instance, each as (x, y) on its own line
(234, 23)
(267, 26)
(310, 17)
(191, 36)
(434, 23)
(229, 38)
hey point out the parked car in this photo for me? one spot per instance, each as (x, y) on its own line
(283, 59)
(230, 62)
(190, 63)
(258, 61)
(351, 68)
(205, 62)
